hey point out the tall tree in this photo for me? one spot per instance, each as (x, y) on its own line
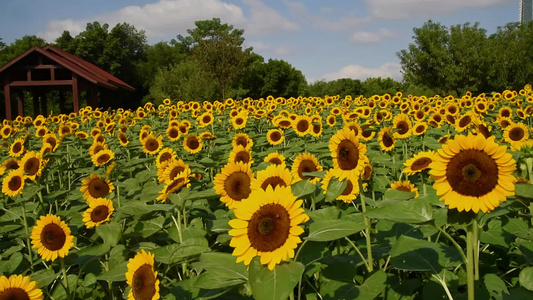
(2, 45)
(282, 79)
(19, 46)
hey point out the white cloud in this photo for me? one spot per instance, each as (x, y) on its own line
(167, 18)
(403, 9)
(389, 69)
(275, 50)
(366, 37)
(326, 9)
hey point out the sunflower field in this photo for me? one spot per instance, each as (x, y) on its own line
(387, 197)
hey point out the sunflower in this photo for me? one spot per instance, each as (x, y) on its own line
(165, 155)
(13, 183)
(347, 153)
(192, 143)
(99, 211)
(316, 128)
(51, 237)
(102, 157)
(31, 164)
(142, 278)
(282, 122)
(516, 133)
(367, 133)
(464, 122)
(233, 183)
(419, 162)
(152, 144)
(275, 136)
(239, 122)
(273, 175)
(174, 185)
(123, 139)
(275, 158)
(386, 139)
(40, 131)
(352, 185)
(405, 186)
(267, 225)
(354, 126)
(473, 173)
(173, 133)
(173, 169)
(205, 119)
(240, 154)
(96, 187)
(305, 163)
(302, 125)
(17, 148)
(331, 120)
(402, 125)
(242, 139)
(420, 128)
(19, 287)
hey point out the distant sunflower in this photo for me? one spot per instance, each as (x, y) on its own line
(420, 128)
(192, 143)
(240, 154)
(96, 187)
(316, 128)
(242, 139)
(402, 125)
(464, 122)
(152, 144)
(386, 139)
(19, 287)
(9, 164)
(206, 135)
(31, 164)
(51, 237)
(97, 147)
(172, 170)
(205, 119)
(444, 139)
(419, 162)
(282, 122)
(473, 173)
(64, 130)
(82, 135)
(516, 133)
(99, 211)
(233, 183)
(103, 157)
(354, 126)
(275, 136)
(367, 133)
(352, 184)
(405, 186)
(123, 139)
(346, 151)
(174, 185)
(302, 125)
(275, 158)
(173, 133)
(273, 175)
(142, 278)
(305, 163)
(17, 148)
(267, 225)
(165, 155)
(13, 183)
(239, 122)
(40, 131)
(331, 120)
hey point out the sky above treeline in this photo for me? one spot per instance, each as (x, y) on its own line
(326, 40)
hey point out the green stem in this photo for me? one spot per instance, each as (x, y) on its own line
(27, 231)
(423, 179)
(470, 261)
(465, 259)
(367, 230)
(65, 279)
(354, 246)
(475, 241)
(118, 196)
(300, 249)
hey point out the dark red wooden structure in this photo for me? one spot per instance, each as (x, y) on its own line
(41, 70)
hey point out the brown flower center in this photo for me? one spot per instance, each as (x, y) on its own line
(242, 156)
(206, 119)
(472, 173)
(483, 130)
(31, 167)
(306, 166)
(387, 140)
(98, 188)
(14, 293)
(239, 121)
(173, 133)
(402, 127)
(104, 158)
(241, 140)
(465, 121)
(14, 183)
(17, 147)
(269, 227)
(285, 123)
(152, 144)
(421, 164)
(53, 237)
(99, 213)
(348, 189)
(175, 185)
(275, 136)
(175, 171)
(302, 126)
(516, 134)
(347, 155)
(143, 283)
(165, 156)
(275, 161)
(193, 143)
(273, 181)
(237, 186)
(317, 128)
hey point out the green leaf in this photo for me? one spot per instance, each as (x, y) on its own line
(413, 212)
(319, 174)
(117, 273)
(524, 190)
(222, 270)
(494, 234)
(335, 189)
(397, 195)
(330, 230)
(526, 278)
(303, 188)
(495, 285)
(174, 253)
(369, 290)
(110, 233)
(519, 228)
(43, 277)
(328, 213)
(151, 226)
(275, 284)
(14, 261)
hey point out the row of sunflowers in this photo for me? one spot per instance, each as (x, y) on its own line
(390, 197)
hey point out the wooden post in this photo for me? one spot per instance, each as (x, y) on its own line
(7, 97)
(20, 102)
(35, 103)
(75, 96)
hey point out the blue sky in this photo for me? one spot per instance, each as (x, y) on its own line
(324, 39)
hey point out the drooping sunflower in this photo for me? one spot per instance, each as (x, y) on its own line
(405, 186)
(31, 164)
(233, 183)
(242, 139)
(273, 175)
(96, 187)
(82, 135)
(19, 287)
(275, 136)
(192, 143)
(102, 157)
(305, 163)
(419, 162)
(346, 151)
(240, 154)
(516, 133)
(99, 211)
(13, 183)
(275, 158)
(267, 225)
(386, 139)
(473, 173)
(51, 237)
(152, 144)
(174, 185)
(142, 278)
(352, 185)
(17, 148)
(367, 133)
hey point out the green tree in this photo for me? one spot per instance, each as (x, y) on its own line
(380, 86)
(2, 45)
(282, 79)
(19, 46)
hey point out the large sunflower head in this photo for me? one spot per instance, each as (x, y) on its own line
(99, 211)
(305, 163)
(96, 187)
(405, 186)
(473, 173)
(152, 144)
(273, 175)
(240, 154)
(419, 162)
(142, 278)
(17, 148)
(192, 143)
(13, 183)
(242, 139)
(516, 133)
(275, 158)
(386, 139)
(102, 157)
(352, 184)
(347, 153)
(18, 287)
(233, 183)
(267, 225)
(51, 237)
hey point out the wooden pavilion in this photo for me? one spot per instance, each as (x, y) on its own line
(41, 70)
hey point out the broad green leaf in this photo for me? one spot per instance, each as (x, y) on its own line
(110, 233)
(303, 188)
(371, 288)
(14, 261)
(43, 277)
(275, 284)
(174, 253)
(519, 228)
(117, 273)
(322, 231)
(319, 174)
(526, 278)
(152, 226)
(335, 189)
(413, 212)
(397, 195)
(494, 234)
(495, 285)
(221, 270)
(524, 190)
(327, 214)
